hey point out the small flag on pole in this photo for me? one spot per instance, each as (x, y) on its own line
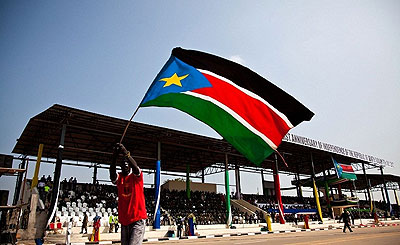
(250, 112)
(344, 171)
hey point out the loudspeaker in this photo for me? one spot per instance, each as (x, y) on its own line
(3, 197)
(6, 161)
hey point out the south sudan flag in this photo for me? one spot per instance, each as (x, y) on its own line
(244, 108)
(344, 171)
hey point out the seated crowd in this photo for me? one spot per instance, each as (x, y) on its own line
(289, 202)
(209, 208)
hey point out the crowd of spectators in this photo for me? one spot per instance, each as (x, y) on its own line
(92, 194)
(289, 202)
(45, 186)
(207, 207)
(240, 217)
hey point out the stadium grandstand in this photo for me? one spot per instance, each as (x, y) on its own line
(84, 139)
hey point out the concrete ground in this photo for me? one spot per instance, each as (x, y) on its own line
(202, 230)
(360, 236)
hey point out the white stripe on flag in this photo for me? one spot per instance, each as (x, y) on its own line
(234, 115)
(251, 94)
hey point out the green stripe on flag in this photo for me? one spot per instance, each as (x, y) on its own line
(245, 141)
(348, 176)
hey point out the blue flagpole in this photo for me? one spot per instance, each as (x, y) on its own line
(157, 223)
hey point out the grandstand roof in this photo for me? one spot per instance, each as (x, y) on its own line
(91, 136)
(376, 181)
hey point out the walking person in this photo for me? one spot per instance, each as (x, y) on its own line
(131, 203)
(84, 223)
(179, 224)
(96, 229)
(352, 218)
(116, 224)
(40, 186)
(111, 223)
(68, 233)
(346, 220)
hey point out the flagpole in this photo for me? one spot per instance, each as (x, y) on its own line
(358, 202)
(283, 159)
(127, 125)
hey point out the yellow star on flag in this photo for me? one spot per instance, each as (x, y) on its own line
(174, 79)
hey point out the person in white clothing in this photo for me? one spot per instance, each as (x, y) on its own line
(68, 233)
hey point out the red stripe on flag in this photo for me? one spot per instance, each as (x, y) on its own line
(347, 168)
(261, 117)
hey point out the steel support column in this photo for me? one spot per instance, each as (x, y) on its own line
(19, 182)
(368, 185)
(57, 174)
(327, 195)
(157, 190)
(278, 191)
(237, 178)
(95, 174)
(299, 190)
(328, 202)
(262, 183)
(227, 194)
(383, 196)
(388, 206)
(316, 196)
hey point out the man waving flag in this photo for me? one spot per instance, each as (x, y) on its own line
(244, 108)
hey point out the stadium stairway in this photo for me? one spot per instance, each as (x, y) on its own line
(247, 207)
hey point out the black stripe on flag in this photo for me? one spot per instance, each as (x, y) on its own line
(295, 111)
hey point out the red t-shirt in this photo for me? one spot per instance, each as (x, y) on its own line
(131, 203)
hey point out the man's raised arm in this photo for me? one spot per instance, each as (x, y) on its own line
(132, 162)
(113, 166)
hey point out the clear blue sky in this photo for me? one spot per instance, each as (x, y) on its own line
(339, 58)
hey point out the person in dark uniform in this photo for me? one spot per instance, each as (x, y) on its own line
(352, 218)
(346, 220)
(84, 223)
(179, 223)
